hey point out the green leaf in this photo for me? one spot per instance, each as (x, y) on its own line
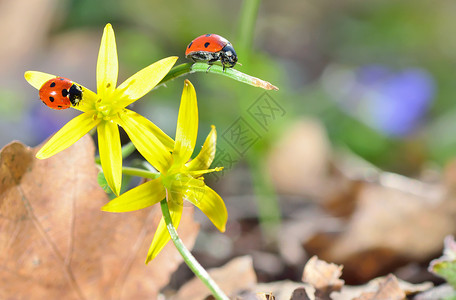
(447, 270)
(101, 179)
(187, 68)
(445, 266)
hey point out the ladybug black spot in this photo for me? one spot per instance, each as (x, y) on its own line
(60, 106)
(51, 99)
(209, 34)
(189, 45)
(64, 92)
(206, 44)
(52, 84)
(108, 85)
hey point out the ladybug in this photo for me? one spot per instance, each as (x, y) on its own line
(211, 48)
(60, 93)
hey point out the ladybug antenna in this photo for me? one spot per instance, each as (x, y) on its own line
(239, 63)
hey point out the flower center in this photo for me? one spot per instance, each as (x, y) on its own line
(103, 111)
(106, 107)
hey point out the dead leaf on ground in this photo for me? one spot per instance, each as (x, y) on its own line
(299, 294)
(389, 227)
(444, 291)
(299, 163)
(388, 289)
(232, 278)
(323, 276)
(283, 290)
(55, 243)
(381, 285)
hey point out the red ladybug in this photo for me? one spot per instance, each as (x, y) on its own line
(211, 48)
(60, 93)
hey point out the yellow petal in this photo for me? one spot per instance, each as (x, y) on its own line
(187, 125)
(147, 126)
(198, 173)
(110, 154)
(204, 159)
(162, 237)
(145, 80)
(107, 64)
(37, 79)
(144, 195)
(206, 199)
(147, 138)
(68, 135)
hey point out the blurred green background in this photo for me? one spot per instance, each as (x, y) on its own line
(379, 74)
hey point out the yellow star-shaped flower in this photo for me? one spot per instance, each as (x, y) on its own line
(179, 178)
(106, 109)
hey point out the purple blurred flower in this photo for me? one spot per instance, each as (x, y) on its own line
(394, 103)
(43, 121)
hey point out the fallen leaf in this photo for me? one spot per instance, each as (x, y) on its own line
(299, 163)
(444, 291)
(265, 296)
(232, 278)
(55, 243)
(388, 289)
(283, 290)
(248, 295)
(299, 294)
(349, 292)
(387, 228)
(323, 276)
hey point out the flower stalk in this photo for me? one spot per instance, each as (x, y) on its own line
(189, 259)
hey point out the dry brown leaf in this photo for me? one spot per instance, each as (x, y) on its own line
(55, 243)
(265, 296)
(388, 289)
(299, 163)
(248, 295)
(323, 276)
(349, 292)
(389, 227)
(299, 294)
(444, 291)
(233, 277)
(283, 290)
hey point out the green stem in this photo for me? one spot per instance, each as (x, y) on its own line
(128, 149)
(249, 12)
(140, 173)
(189, 259)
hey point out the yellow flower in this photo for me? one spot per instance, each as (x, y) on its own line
(179, 178)
(106, 109)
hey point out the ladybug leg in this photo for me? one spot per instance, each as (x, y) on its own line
(210, 62)
(223, 63)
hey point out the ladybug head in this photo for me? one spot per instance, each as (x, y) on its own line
(228, 56)
(75, 94)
